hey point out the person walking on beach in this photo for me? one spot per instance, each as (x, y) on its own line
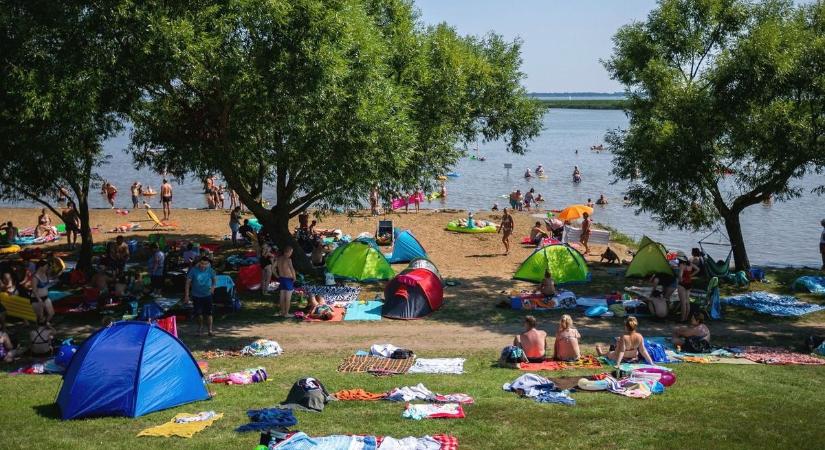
(286, 278)
(506, 229)
(166, 199)
(136, 187)
(110, 191)
(586, 230)
(822, 244)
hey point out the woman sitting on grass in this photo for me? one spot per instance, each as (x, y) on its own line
(693, 338)
(629, 346)
(566, 347)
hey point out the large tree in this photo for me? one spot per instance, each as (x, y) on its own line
(726, 109)
(321, 100)
(64, 89)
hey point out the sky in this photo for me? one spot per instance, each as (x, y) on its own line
(563, 40)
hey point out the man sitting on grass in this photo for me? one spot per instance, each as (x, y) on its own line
(532, 341)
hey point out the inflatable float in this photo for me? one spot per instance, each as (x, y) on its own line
(592, 385)
(19, 307)
(10, 249)
(454, 226)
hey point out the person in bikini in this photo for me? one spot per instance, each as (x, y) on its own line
(663, 287)
(506, 229)
(629, 346)
(532, 341)
(687, 270)
(318, 308)
(286, 278)
(166, 199)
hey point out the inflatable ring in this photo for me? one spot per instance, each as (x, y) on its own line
(57, 267)
(592, 385)
(9, 249)
(454, 226)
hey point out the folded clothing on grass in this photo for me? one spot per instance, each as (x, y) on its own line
(438, 365)
(375, 364)
(585, 362)
(775, 305)
(433, 411)
(183, 425)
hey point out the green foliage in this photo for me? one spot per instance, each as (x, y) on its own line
(323, 100)
(714, 87)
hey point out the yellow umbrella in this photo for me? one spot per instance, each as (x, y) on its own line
(574, 212)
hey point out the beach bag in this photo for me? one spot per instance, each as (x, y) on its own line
(695, 344)
(307, 393)
(513, 355)
(402, 353)
(65, 353)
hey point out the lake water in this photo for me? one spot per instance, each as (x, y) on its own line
(781, 234)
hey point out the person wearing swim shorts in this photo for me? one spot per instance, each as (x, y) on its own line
(166, 199)
(201, 281)
(286, 278)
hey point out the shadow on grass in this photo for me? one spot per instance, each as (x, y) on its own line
(48, 411)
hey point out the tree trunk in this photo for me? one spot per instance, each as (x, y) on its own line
(737, 241)
(84, 261)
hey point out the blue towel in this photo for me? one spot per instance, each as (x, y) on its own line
(267, 419)
(812, 284)
(563, 398)
(364, 311)
(55, 296)
(775, 305)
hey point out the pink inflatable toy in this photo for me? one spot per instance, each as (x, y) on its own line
(667, 378)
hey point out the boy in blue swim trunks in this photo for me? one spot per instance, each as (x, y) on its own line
(286, 278)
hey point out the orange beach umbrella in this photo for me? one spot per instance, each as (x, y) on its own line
(574, 212)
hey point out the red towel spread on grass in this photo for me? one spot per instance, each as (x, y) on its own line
(585, 362)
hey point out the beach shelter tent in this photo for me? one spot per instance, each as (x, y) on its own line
(413, 294)
(422, 263)
(405, 248)
(650, 259)
(129, 369)
(359, 260)
(564, 263)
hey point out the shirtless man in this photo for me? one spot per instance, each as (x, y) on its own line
(586, 229)
(506, 229)
(532, 341)
(537, 234)
(72, 220)
(135, 189)
(286, 278)
(111, 192)
(166, 199)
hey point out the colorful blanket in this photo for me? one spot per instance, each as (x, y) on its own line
(358, 394)
(370, 310)
(375, 365)
(775, 305)
(262, 348)
(585, 362)
(183, 425)
(438, 365)
(334, 295)
(300, 441)
(779, 356)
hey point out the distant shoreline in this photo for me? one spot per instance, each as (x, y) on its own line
(583, 104)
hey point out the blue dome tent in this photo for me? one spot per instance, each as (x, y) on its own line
(406, 248)
(129, 369)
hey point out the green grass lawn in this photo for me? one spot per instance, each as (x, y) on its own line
(709, 406)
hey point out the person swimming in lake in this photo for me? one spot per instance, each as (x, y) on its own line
(540, 171)
(602, 200)
(577, 175)
(589, 203)
(528, 174)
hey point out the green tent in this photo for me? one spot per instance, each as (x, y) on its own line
(360, 260)
(650, 259)
(564, 263)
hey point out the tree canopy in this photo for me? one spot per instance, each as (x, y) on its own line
(726, 109)
(323, 100)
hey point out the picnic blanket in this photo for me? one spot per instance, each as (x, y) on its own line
(585, 362)
(370, 310)
(438, 365)
(268, 418)
(375, 365)
(433, 411)
(337, 316)
(183, 425)
(810, 283)
(775, 305)
(334, 295)
(358, 394)
(779, 356)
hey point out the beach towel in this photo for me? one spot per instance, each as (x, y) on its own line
(409, 443)
(775, 305)
(300, 441)
(337, 316)
(183, 425)
(370, 310)
(246, 376)
(410, 393)
(431, 411)
(375, 365)
(268, 418)
(809, 283)
(779, 356)
(358, 394)
(262, 348)
(563, 397)
(342, 296)
(585, 362)
(438, 365)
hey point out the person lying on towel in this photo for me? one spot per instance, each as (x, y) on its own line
(532, 341)
(318, 308)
